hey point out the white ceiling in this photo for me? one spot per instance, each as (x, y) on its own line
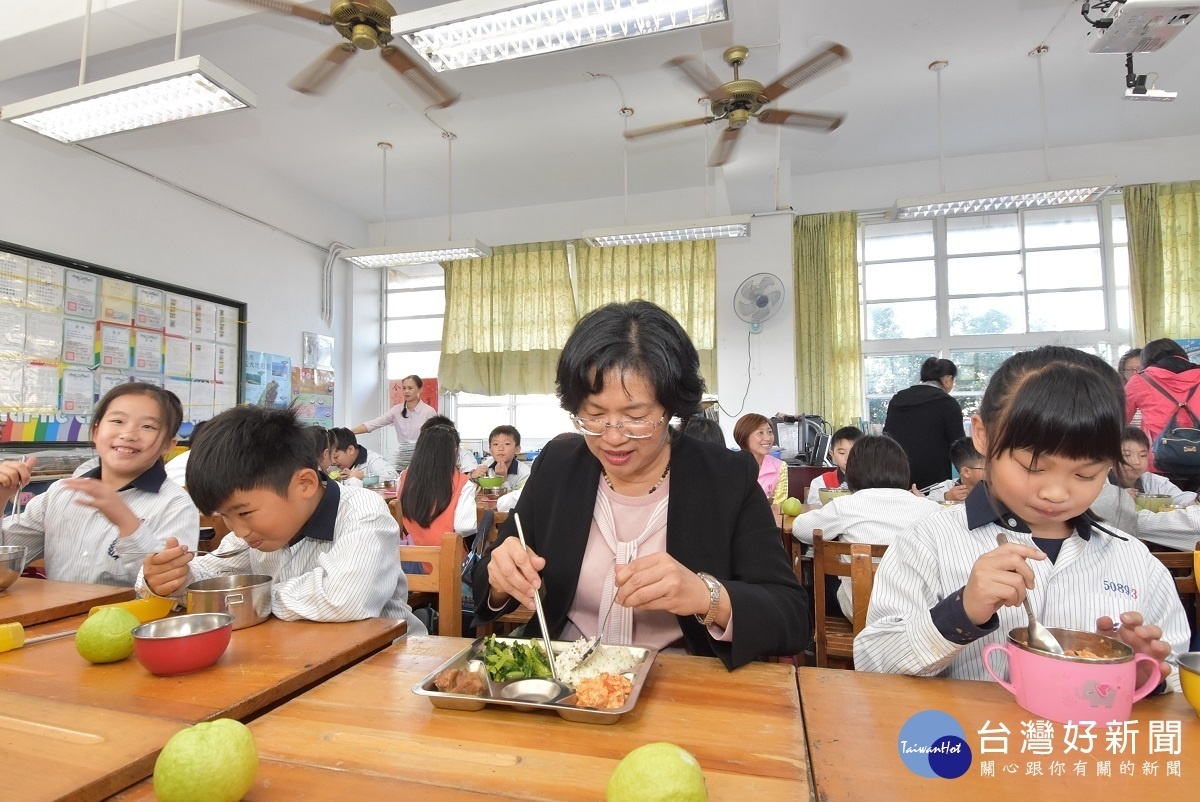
(539, 131)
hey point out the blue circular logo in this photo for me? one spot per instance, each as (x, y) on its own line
(932, 744)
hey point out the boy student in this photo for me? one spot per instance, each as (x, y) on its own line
(503, 444)
(331, 550)
(355, 462)
(839, 450)
(1132, 473)
(969, 464)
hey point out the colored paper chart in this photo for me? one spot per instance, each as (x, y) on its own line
(312, 396)
(268, 379)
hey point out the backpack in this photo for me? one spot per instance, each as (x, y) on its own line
(1177, 448)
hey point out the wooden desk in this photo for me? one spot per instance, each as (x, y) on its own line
(262, 665)
(36, 601)
(365, 735)
(853, 721)
(57, 750)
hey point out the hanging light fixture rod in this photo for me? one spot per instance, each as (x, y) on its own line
(936, 67)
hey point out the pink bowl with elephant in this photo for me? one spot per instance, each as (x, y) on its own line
(1095, 681)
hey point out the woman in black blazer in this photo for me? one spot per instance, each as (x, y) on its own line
(625, 372)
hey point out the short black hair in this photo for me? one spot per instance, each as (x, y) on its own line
(1157, 350)
(934, 369)
(1132, 434)
(877, 461)
(341, 438)
(850, 433)
(1132, 353)
(168, 406)
(1055, 400)
(505, 429)
(319, 439)
(247, 448)
(963, 453)
(705, 429)
(635, 337)
(438, 420)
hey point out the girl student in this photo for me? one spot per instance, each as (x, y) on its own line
(1049, 427)
(98, 526)
(435, 496)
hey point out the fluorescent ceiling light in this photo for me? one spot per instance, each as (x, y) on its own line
(164, 93)
(471, 32)
(398, 256)
(712, 228)
(1002, 199)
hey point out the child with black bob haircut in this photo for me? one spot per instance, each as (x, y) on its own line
(969, 464)
(331, 550)
(839, 451)
(1049, 427)
(354, 461)
(96, 526)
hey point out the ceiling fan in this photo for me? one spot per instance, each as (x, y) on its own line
(366, 25)
(742, 98)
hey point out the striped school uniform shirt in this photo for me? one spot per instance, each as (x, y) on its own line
(341, 566)
(81, 545)
(916, 623)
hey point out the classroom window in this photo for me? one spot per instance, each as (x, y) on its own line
(537, 417)
(978, 288)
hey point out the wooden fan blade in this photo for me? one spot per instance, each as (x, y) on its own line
(657, 129)
(295, 9)
(310, 79)
(724, 148)
(832, 56)
(400, 56)
(701, 76)
(801, 119)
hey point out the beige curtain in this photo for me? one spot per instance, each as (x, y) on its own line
(681, 277)
(507, 319)
(1164, 259)
(828, 328)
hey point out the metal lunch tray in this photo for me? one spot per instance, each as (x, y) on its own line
(564, 706)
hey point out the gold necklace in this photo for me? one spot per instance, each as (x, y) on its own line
(657, 484)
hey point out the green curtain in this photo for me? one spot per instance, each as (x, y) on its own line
(507, 319)
(1164, 259)
(828, 321)
(681, 277)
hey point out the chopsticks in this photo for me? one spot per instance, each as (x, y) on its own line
(537, 601)
(924, 491)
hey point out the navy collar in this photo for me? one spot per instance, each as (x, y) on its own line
(150, 480)
(361, 459)
(512, 465)
(321, 523)
(983, 508)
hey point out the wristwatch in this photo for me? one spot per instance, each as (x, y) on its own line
(714, 599)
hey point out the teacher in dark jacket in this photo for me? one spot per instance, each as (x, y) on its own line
(674, 535)
(925, 420)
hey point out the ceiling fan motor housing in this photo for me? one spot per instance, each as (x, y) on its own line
(366, 23)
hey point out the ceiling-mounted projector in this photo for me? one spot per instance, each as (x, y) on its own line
(1140, 26)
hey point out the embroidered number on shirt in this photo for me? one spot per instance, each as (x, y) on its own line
(1116, 587)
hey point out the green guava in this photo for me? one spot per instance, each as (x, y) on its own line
(106, 636)
(790, 506)
(213, 761)
(659, 772)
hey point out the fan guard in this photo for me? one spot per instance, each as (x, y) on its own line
(758, 299)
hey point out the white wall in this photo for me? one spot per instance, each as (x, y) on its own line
(69, 202)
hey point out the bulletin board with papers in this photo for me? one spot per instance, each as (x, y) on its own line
(70, 331)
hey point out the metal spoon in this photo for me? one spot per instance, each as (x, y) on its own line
(537, 601)
(1039, 637)
(233, 553)
(595, 642)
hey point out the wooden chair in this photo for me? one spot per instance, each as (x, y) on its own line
(220, 530)
(444, 581)
(834, 635)
(1183, 566)
(397, 513)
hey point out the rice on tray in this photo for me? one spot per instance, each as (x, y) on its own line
(606, 660)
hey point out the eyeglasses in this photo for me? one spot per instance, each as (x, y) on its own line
(633, 429)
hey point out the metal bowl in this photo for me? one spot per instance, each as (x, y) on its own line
(828, 494)
(246, 597)
(1155, 502)
(182, 644)
(12, 563)
(1189, 678)
(535, 691)
(1106, 649)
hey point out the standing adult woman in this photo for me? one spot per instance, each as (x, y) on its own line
(1165, 364)
(925, 420)
(674, 535)
(406, 417)
(754, 435)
